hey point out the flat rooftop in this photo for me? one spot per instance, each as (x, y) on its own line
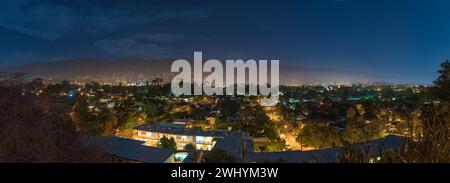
(330, 155)
(129, 149)
(168, 129)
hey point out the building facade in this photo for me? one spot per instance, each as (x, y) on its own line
(152, 134)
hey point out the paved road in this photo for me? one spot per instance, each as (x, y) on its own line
(288, 134)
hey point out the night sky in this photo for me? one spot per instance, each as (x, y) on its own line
(404, 40)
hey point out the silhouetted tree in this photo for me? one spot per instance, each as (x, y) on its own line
(219, 156)
(442, 85)
(80, 113)
(319, 136)
(189, 147)
(29, 133)
(106, 124)
(167, 143)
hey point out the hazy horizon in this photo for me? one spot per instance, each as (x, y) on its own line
(376, 78)
(402, 40)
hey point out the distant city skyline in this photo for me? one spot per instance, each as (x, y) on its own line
(403, 40)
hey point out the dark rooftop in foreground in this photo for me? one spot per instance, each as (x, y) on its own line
(236, 147)
(169, 129)
(130, 149)
(386, 144)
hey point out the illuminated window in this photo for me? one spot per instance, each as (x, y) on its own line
(203, 147)
(184, 138)
(200, 139)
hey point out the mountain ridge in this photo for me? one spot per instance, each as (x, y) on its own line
(138, 69)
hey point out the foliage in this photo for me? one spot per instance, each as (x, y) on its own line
(276, 146)
(255, 121)
(433, 145)
(319, 136)
(428, 141)
(129, 121)
(219, 156)
(358, 130)
(31, 134)
(81, 110)
(355, 131)
(442, 83)
(167, 143)
(354, 155)
(189, 147)
(151, 110)
(106, 124)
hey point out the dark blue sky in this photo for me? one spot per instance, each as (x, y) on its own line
(404, 40)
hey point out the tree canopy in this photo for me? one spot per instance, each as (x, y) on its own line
(167, 143)
(219, 156)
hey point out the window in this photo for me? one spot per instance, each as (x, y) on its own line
(203, 147)
(200, 139)
(184, 138)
